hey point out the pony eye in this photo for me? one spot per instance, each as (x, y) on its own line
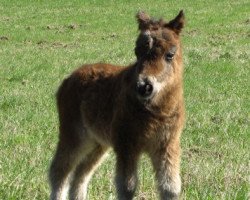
(169, 56)
(170, 53)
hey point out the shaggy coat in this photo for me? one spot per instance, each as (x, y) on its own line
(135, 109)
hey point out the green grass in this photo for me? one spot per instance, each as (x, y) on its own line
(41, 42)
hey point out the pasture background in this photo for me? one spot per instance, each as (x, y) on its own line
(41, 42)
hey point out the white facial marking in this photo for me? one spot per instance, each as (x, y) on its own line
(156, 84)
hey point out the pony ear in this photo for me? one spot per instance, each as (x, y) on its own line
(177, 23)
(143, 20)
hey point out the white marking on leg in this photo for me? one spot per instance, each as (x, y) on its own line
(168, 182)
(80, 192)
(61, 192)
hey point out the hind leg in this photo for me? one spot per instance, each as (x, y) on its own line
(84, 172)
(69, 153)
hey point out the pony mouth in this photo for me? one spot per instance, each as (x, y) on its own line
(146, 99)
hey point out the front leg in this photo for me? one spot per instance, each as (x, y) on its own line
(166, 163)
(126, 176)
(127, 156)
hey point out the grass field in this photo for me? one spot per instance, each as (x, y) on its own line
(41, 42)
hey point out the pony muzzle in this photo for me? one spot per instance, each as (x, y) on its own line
(144, 88)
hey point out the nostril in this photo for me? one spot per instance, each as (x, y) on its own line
(144, 89)
(148, 89)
